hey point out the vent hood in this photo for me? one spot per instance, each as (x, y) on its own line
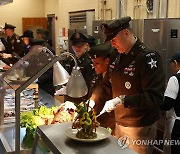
(3, 2)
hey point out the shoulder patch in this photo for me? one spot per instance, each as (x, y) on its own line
(150, 54)
(152, 63)
(152, 60)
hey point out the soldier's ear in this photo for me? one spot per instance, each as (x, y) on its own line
(126, 32)
(86, 46)
(107, 61)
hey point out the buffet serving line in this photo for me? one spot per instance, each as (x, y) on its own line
(84, 135)
(58, 138)
(55, 137)
(7, 131)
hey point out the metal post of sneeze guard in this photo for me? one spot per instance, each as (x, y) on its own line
(2, 93)
(24, 86)
(17, 124)
(17, 100)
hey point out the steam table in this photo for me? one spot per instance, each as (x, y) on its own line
(55, 140)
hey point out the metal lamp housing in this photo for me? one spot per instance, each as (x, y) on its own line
(60, 75)
(76, 86)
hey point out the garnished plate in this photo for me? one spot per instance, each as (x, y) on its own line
(102, 133)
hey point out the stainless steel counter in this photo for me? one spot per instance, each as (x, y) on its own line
(7, 131)
(53, 136)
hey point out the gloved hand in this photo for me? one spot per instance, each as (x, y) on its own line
(110, 105)
(36, 81)
(61, 91)
(91, 104)
(5, 55)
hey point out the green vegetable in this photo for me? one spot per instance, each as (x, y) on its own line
(85, 119)
(32, 119)
(109, 129)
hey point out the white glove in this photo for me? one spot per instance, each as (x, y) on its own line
(61, 91)
(36, 81)
(91, 104)
(26, 63)
(5, 55)
(110, 105)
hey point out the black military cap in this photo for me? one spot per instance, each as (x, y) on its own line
(9, 26)
(101, 50)
(78, 39)
(36, 42)
(111, 29)
(43, 31)
(28, 33)
(176, 56)
(91, 41)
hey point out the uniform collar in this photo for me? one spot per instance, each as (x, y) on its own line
(13, 35)
(83, 57)
(134, 50)
(126, 59)
(178, 72)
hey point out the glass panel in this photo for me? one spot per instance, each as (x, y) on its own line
(28, 66)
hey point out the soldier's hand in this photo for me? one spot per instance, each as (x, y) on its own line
(5, 55)
(91, 104)
(111, 104)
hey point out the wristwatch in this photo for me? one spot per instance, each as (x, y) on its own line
(122, 98)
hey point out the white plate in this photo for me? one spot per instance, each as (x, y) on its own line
(15, 80)
(102, 133)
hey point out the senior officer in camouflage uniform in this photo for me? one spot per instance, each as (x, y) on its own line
(138, 85)
(15, 46)
(100, 55)
(80, 46)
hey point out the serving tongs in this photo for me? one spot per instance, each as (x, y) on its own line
(102, 112)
